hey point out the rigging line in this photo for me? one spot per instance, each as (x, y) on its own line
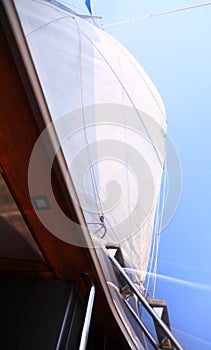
(127, 170)
(136, 19)
(130, 99)
(127, 174)
(151, 263)
(92, 174)
(160, 227)
(116, 236)
(156, 241)
(126, 155)
(99, 229)
(154, 248)
(155, 264)
(155, 257)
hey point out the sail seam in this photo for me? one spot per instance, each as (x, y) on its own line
(92, 174)
(130, 98)
(141, 75)
(46, 24)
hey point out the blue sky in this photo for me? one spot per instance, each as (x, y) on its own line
(175, 50)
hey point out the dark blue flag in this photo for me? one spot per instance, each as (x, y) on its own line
(88, 4)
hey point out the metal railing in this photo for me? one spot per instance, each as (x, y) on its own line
(146, 305)
(68, 320)
(86, 326)
(65, 321)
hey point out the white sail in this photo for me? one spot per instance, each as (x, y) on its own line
(110, 120)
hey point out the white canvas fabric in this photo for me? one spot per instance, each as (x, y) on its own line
(110, 120)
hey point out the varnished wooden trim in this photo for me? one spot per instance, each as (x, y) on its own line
(9, 264)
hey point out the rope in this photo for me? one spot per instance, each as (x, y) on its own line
(136, 19)
(98, 230)
(158, 232)
(151, 263)
(152, 271)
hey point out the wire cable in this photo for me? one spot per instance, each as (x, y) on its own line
(136, 19)
(158, 232)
